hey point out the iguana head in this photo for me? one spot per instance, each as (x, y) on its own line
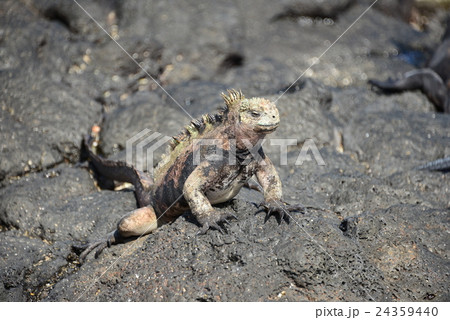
(260, 114)
(256, 114)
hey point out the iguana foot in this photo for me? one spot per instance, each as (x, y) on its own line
(98, 246)
(136, 223)
(212, 220)
(281, 208)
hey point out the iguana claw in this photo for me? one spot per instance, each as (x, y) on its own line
(87, 248)
(211, 222)
(206, 226)
(281, 208)
(98, 246)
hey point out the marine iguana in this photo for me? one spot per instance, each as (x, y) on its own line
(180, 184)
(433, 80)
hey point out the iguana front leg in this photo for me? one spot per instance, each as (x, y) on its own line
(271, 184)
(194, 192)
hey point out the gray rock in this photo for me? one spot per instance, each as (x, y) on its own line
(375, 228)
(41, 114)
(401, 141)
(402, 241)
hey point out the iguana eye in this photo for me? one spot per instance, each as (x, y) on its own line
(255, 114)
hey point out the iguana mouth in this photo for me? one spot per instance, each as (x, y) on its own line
(267, 127)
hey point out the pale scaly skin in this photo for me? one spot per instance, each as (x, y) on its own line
(179, 185)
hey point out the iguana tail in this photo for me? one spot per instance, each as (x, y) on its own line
(120, 171)
(437, 165)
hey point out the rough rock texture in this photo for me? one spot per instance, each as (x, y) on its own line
(376, 228)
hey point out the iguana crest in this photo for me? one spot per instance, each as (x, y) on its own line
(208, 121)
(199, 126)
(232, 99)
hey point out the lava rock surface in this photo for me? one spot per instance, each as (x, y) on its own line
(375, 228)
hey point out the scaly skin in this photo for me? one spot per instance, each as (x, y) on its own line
(180, 183)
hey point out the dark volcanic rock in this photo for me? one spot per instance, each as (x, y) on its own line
(405, 243)
(375, 228)
(41, 114)
(314, 9)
